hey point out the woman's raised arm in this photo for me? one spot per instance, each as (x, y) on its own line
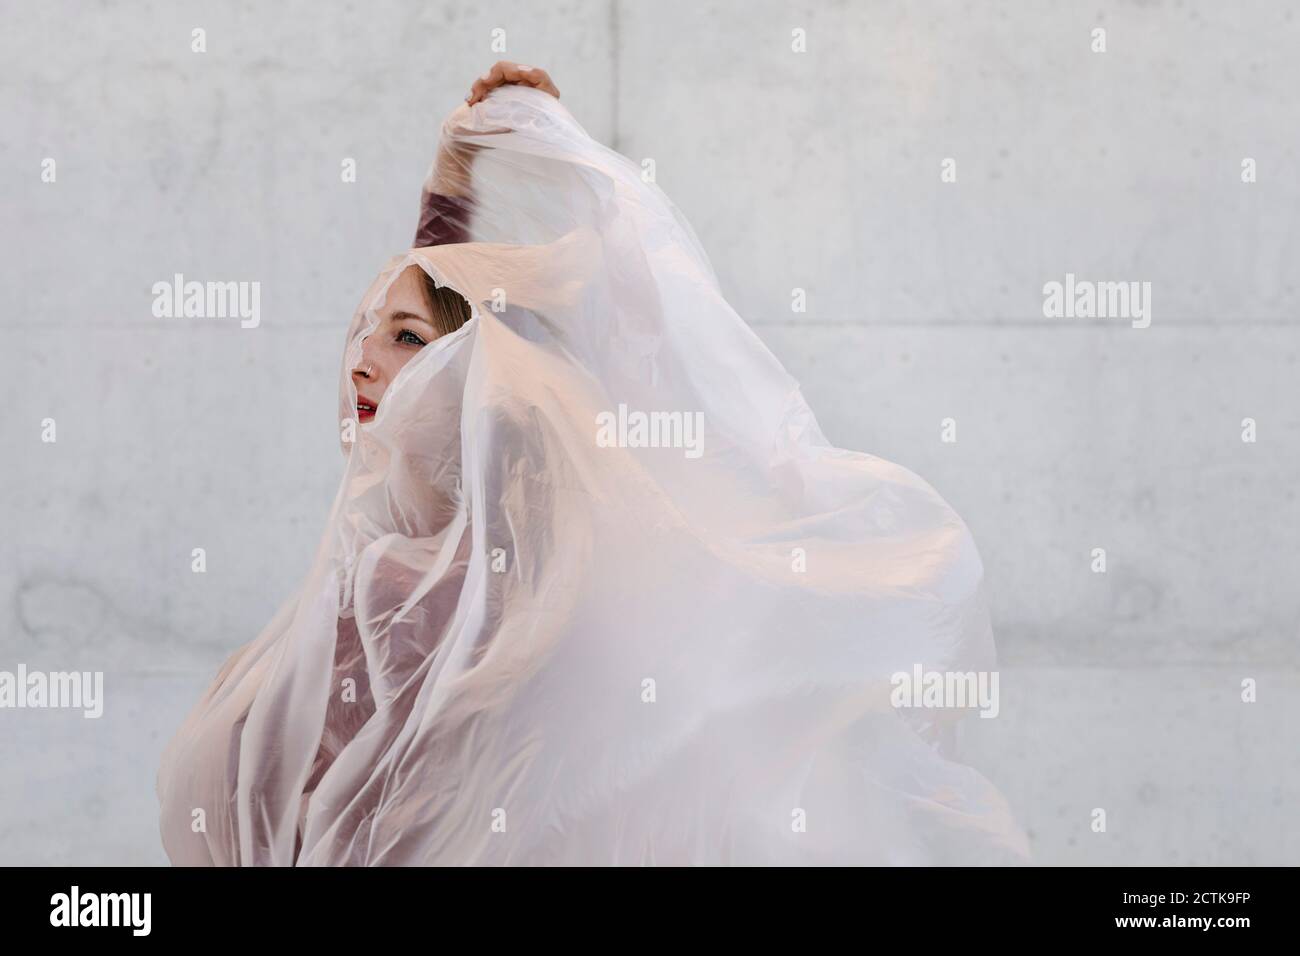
(446, 203)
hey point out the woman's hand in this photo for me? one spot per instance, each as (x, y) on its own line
(503, 73)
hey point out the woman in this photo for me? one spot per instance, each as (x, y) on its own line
(594, 589)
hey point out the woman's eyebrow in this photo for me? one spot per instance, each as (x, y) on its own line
(411, 316)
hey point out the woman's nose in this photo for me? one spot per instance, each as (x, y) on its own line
(365, 367)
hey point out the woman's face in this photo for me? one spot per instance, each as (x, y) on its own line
(405, 326)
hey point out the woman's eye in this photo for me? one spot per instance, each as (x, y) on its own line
(410, 338)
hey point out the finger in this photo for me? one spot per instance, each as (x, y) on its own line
(486, 83)
(530, 76)
(501, 73)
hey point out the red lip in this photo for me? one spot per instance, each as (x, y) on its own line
(365, 408)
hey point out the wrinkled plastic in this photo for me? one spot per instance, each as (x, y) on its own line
(523, 643)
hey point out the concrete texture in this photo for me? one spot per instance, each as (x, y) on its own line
(818, 171)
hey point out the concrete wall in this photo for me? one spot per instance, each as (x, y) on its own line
(818, 171)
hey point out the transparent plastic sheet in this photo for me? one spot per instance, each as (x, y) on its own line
(566, 652)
